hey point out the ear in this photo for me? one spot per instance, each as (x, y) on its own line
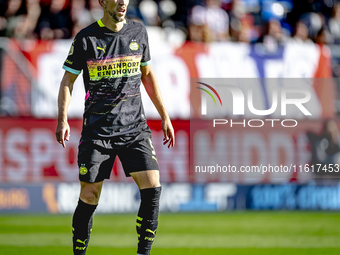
(102, 3)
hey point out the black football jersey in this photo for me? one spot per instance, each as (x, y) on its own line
(111, 62)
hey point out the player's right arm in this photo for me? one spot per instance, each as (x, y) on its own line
(64, 98)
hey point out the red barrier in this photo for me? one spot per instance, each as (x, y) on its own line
(29, 152)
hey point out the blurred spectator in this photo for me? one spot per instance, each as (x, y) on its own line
(10, 17)
(301, 33)
(31, 21)
(245, 21)
(96, 10)
(238, 9)
(167, 8)
(183, 10)
(22, 26)
(210, 23)
(274, 31)
(314, 22)
(312, 27)
(321, 36)
(243, 30)
(55, 21)
(325, 147)
(15, 26)
(198, 28)
(3, 21)
(22, 17)
(81, 17)
(240, 24)
(268, 21)
(149, 10)
(13, 7)
(217, 20)
(273, 36)
(226, 4)
(334, 23)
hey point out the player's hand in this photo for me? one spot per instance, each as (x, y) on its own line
(169, 134)
(62, 133)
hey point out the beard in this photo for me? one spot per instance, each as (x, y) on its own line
(114, 16)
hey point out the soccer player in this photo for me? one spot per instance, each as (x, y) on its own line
(114, 55)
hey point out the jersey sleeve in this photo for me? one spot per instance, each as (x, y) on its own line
(146, 58)
(73, 62)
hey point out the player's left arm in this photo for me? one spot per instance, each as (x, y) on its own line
(64, 98)
(149, 80)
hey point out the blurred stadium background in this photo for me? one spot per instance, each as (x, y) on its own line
(292, 214)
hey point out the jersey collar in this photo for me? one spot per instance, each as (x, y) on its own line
(101, 24)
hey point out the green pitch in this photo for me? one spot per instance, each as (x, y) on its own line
(180, 234)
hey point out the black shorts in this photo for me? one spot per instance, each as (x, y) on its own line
(97, 156)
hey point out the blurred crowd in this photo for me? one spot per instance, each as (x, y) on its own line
(272, 22)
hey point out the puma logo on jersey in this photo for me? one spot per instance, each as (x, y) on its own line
(103, 49)
(150, 231)
(80, 241)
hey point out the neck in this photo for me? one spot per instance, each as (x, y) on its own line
(112, 24)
